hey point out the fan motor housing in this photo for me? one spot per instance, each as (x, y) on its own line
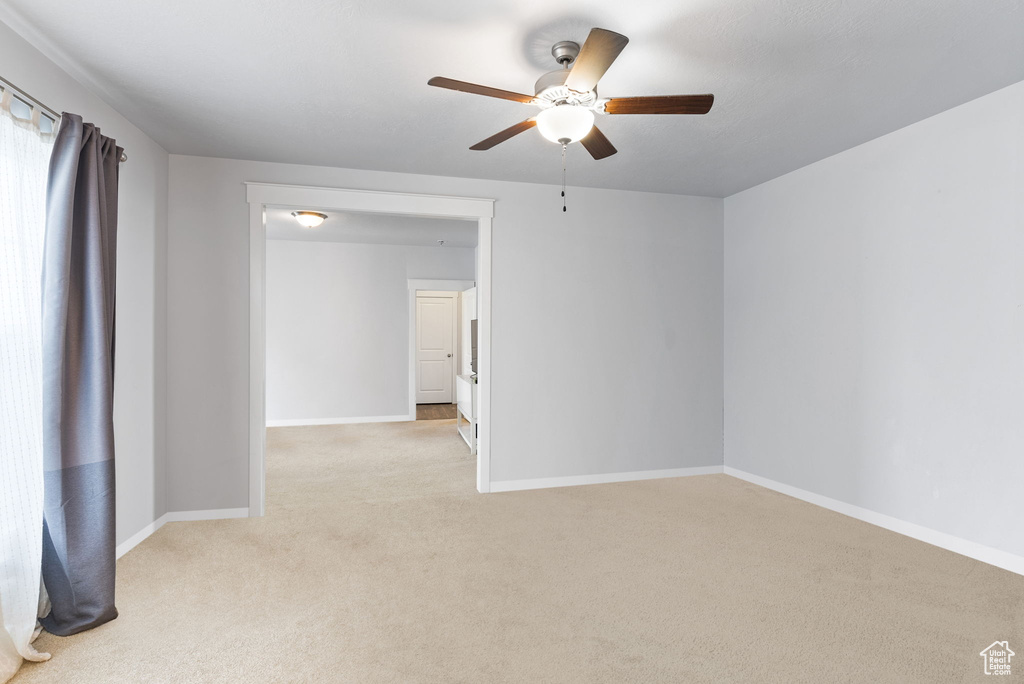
(550, 90)
(552, 79)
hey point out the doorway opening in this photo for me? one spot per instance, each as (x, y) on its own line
(443, 357)
(267, 199)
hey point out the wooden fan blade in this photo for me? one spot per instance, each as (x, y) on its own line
(505, 135)
(597, 145)
(596, 55)
(667, 104)
(452, 84)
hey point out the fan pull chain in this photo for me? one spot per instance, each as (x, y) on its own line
(563, 176)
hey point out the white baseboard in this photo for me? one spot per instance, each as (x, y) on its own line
(602, 478)
(295, 422)
(137, 538)
(985, 554)
(215, 514)
(178, 516)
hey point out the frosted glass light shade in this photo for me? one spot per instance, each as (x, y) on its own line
(566, 123)
(309, 219)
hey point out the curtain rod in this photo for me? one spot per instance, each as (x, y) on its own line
(22, 95)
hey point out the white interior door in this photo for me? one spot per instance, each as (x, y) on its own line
(435, 347)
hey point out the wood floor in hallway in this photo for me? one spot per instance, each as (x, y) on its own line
(435, 411)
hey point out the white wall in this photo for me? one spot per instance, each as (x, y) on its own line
(140, 363)
(608, 317)
(874, 328)
(338, 325)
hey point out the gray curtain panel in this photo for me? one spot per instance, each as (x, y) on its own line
(78, 378)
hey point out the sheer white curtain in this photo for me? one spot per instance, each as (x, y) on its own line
(24, 160)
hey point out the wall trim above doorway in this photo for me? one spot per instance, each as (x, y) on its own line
(259, 195)
(442, 285)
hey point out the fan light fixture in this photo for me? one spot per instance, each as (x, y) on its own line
(568, 98)
(309, 219)
(565, 123)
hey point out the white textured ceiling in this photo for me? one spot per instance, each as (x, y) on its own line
(376, 229)
(343, 82)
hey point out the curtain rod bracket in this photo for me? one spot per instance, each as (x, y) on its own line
(33, 102)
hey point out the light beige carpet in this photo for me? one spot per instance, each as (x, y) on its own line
(378, 562)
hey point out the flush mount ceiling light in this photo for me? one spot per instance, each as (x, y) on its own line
(309, 219)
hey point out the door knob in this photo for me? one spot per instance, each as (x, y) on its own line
(449, 356)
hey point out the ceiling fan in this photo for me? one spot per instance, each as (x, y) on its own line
(568, 96)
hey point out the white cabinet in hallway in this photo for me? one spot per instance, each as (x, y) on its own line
(466, 400)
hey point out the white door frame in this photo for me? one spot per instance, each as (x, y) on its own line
(415, 287)
(259, 195)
